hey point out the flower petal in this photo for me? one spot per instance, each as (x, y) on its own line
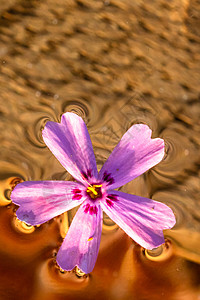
(141, 218)
(135, 154)
(40, 201)
(81, 244)
(70, 142)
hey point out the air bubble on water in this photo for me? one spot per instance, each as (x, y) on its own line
(54, 21)
(56, 96)
(24, 165)
(185, 97)
(38, 94)
(106, 2)
(29, 65)
(186, 152)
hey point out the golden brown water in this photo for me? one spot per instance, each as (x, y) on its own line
(115, 63)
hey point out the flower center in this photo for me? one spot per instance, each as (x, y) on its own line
(94, 191)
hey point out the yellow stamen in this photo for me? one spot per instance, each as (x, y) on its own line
(90, 239)
(94, 190)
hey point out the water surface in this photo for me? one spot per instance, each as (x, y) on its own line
(115, 63)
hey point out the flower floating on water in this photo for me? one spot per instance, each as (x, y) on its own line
(141, 218)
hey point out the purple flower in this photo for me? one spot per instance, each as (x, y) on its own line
(141, 218)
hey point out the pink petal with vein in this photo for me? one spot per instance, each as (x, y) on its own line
(70, 142)
(141, 218)
(40, 201)
(135, 154)
(81, 244)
